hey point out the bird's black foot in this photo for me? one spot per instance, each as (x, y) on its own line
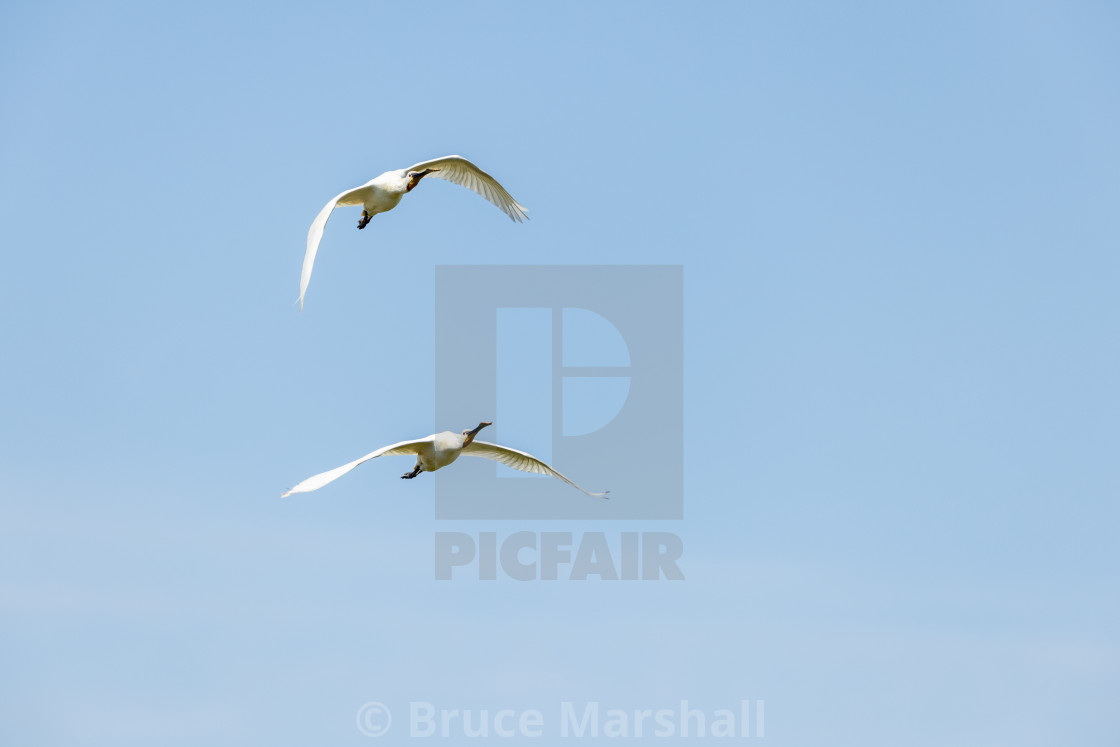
(364, 221)
(412, 474)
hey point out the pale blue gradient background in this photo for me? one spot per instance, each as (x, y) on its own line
(900, 237)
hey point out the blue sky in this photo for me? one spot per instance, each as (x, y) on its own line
(899, 238)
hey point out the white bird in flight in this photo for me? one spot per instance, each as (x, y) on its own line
(440, 450)
(383, 193)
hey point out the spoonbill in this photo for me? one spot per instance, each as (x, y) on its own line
(382, 194)
(440, 450)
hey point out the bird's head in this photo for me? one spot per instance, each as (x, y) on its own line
(414, 178)
(468, 436)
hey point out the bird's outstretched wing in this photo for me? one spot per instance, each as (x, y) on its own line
(520, 460)
(321, 479)
(315, 233)
(459, 170)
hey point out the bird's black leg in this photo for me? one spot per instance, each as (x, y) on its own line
(412, 474)
(364, 221)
